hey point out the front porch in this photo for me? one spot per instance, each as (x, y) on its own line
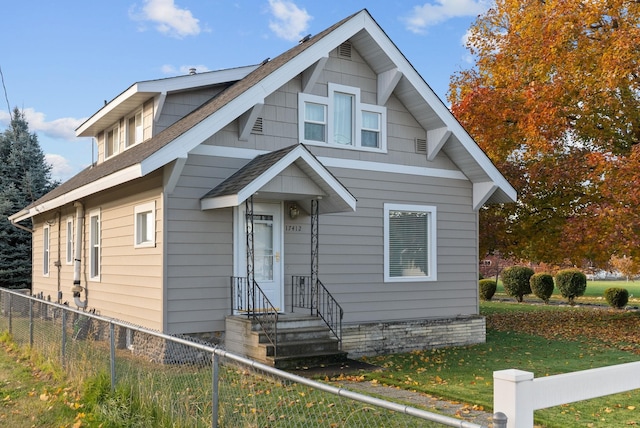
(288, 183)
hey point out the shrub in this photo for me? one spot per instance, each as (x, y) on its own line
(572, 283)
(542, 286)
(616, 297)
(487, 289)
(516, 281)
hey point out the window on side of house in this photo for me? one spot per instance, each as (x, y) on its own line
(135, 129)
(409, 243)
(340, 119)
(69, 241)
(145, 225)
(45, 250)
(94, 244)
(111, 141)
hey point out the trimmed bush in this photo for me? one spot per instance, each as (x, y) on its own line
(487, 288)
(572, 283)
(542, 286)
(617, 297)
(515, 280)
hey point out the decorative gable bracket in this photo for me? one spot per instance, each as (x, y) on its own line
(436, 138)
(246, 121)
(311, 75)
(387, 82)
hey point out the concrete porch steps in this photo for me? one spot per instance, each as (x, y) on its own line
(303, 341)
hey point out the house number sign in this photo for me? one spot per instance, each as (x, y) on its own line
(292, 228)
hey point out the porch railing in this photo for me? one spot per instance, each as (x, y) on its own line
(249, 299)
(319, 301)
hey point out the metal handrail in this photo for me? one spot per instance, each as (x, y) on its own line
(252, 301)
(319, 301)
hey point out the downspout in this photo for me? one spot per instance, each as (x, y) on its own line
(58, 262)
(77, 288)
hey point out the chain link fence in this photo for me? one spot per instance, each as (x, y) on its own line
(146, 378)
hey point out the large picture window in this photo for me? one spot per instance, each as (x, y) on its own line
(409, 243)
(342, 120)
(94, 243)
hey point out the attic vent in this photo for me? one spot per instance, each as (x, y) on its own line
(421, 145)
(257, 126)
(344, 50)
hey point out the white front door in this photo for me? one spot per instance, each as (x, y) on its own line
(267, 249)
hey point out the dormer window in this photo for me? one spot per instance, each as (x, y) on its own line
(111, 141)
(135, 129)
(341, 120)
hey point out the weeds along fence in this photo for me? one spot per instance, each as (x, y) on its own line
(145, 378)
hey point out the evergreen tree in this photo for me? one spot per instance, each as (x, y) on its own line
(24, 177)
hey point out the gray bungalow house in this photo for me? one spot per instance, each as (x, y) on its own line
(323, 202)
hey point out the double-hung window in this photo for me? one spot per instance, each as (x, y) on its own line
(315, 122)
(45, 250)
(135, 129)
(69, 242)
(340, 119)
(409, 243)
(370, 136)
(94, 244)
(111, 141)
(145, 225)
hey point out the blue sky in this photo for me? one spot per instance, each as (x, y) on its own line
(62, 59)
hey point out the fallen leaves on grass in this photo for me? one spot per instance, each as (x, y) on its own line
(611, 327)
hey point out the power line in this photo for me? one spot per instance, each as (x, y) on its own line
(6, 96)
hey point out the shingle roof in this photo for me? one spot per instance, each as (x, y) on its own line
(138, 153)
(248, 173)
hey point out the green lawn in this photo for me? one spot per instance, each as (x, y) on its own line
(545, 340)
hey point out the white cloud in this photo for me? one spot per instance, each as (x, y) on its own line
(183, 69)
(290, 22)
(60, 167)
(430, 14)
(63, 128)
(168, 18)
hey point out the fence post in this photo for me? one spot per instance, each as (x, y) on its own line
(63, 320)
(513, 396)
(216, 392)
(112, 339)
(30, 323)
(10, 313)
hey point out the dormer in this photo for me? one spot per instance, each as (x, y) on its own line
(137, 114)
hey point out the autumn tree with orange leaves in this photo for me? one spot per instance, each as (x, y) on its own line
(554, 100)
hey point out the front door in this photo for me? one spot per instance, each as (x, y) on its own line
(267, 249)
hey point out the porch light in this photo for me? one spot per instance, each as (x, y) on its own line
(294, 211)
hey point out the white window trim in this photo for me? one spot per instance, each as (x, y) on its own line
(433, 241)
(139, 209)
(127, 144)
(69, 243)
(116, 132)
(46, 250)
(92, 214)
(359, 107)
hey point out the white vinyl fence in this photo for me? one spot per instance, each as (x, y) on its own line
(517, 394)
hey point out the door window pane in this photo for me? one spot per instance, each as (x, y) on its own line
(263, 247)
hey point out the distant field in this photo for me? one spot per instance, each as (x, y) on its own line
(595, 290)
